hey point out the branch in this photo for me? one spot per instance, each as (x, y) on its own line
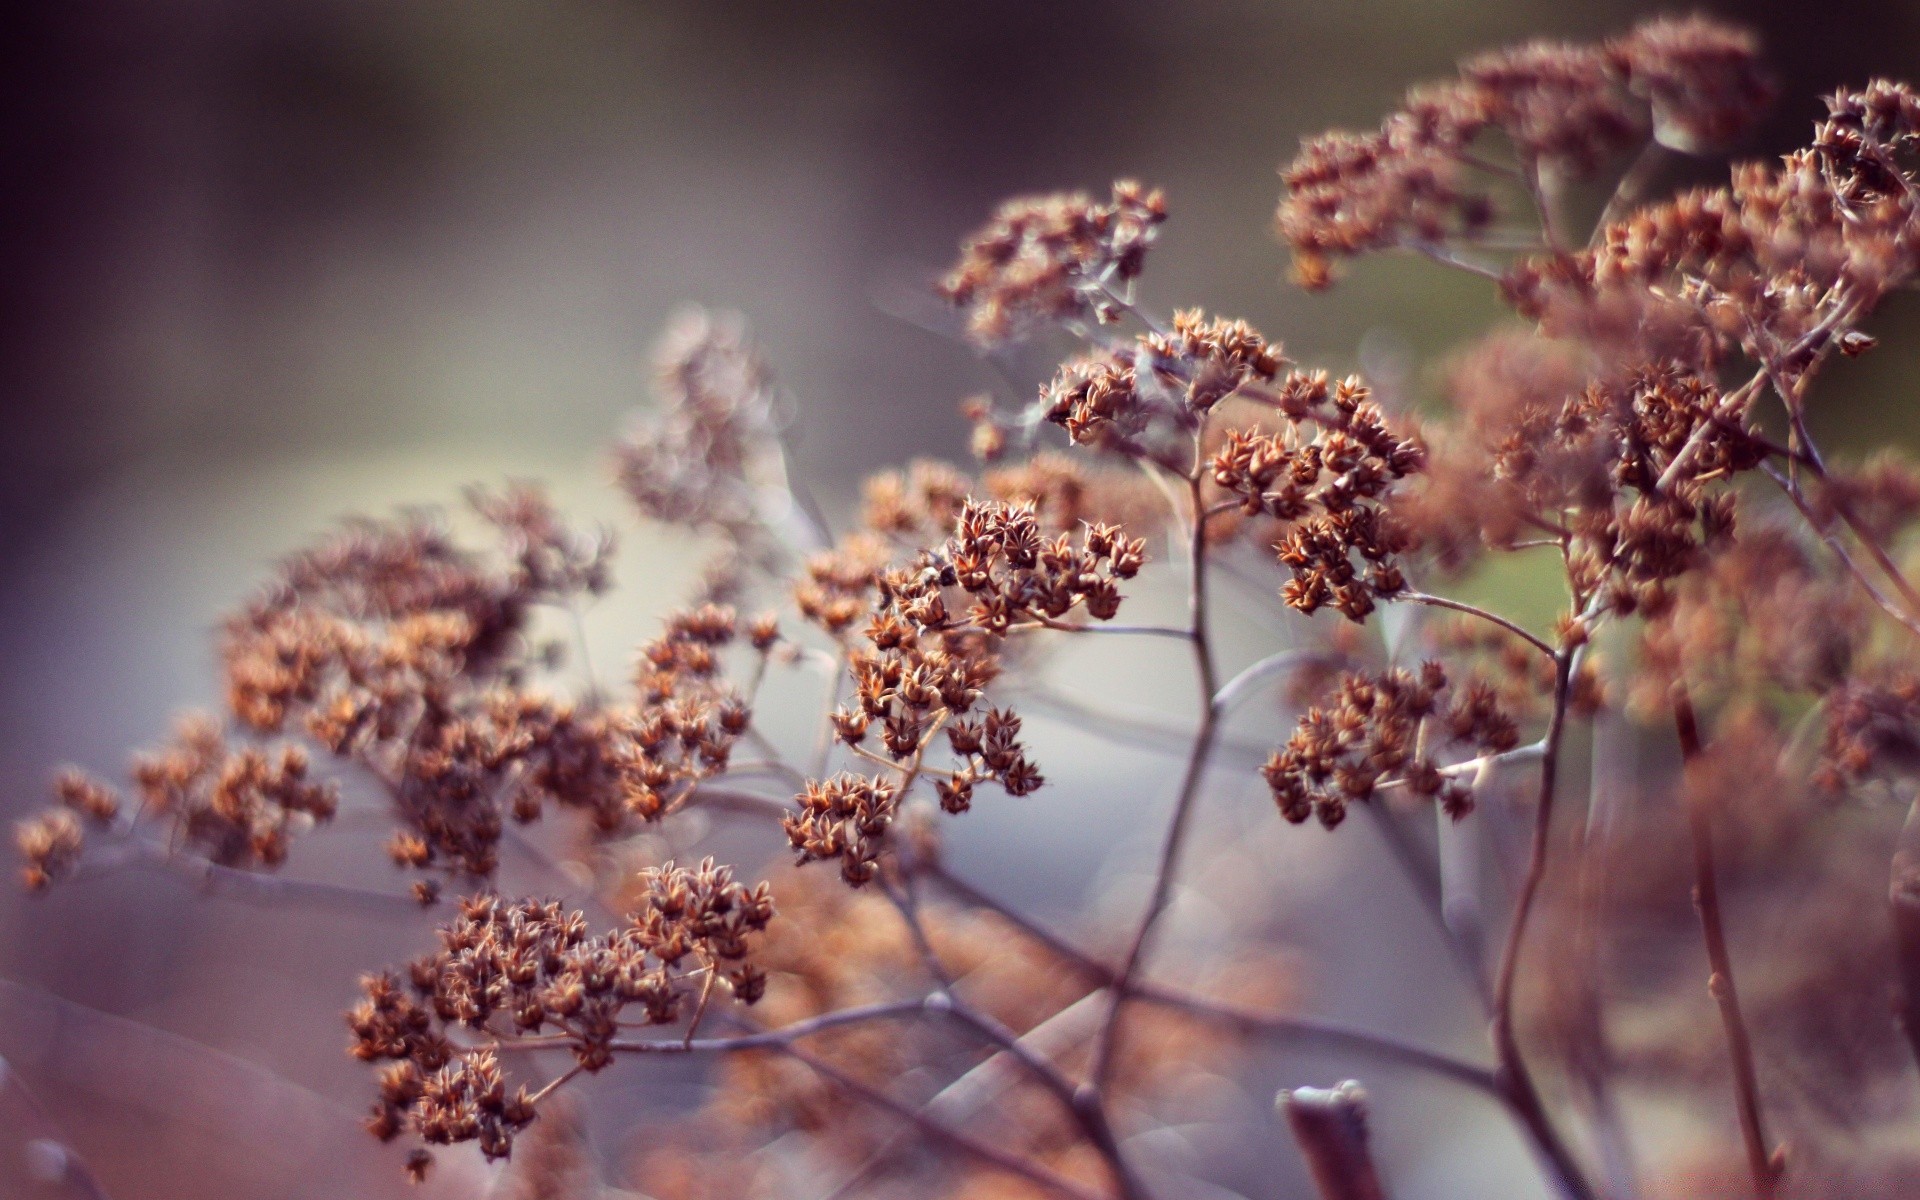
(1330, 1125)
(1044, 622)
(1516, 1081)
(1764, 1165)
(1839, 548)
(1183, 805)
(1307, 1030)
(1904, 895)
(1494, 618)
(985, 1151)
(251, 886)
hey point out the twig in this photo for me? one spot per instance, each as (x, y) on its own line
(1764, 1164)
(1471, 610)
(1308, 1030)
(1904, 897)
(1167, 631)
(1181, 819)
(985, 1151)
(1330, 1126)
(247, 885)
(1515, 1079)
(1793, 492)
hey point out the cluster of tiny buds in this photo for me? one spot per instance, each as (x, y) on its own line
(1123, 399)
(1014, 573)
(1691, 84)
(923, 667)
(1053, 258)
(1871, 729)
(1381, 731)
(509, 970)
(844, 819)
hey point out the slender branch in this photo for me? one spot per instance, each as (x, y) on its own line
(1237, 689)
(1761, 1161)
(1471, 610)
(1045, 622)
(1330, 1126)
(1306, 1030)
(1425, 882)
(1792, 489)
(1084, 1103)
(977, 1089)
(985, 1151)
(1516, 1080)
(1537, 189)
(1448, 258)
(1730, 406)
(1178, 824)
(252, 886)
(1632, 185)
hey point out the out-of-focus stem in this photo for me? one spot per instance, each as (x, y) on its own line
(1203, 739)
(1516, 1081)
(1330, 1127)
(1904, 896)
(1760, 1159)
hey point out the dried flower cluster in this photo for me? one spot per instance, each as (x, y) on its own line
(532, 973)
(1563, 110)
(1635, 443)
(1053, 258)
(1384, 731)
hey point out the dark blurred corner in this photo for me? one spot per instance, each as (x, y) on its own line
(238, 230)
(266, 262)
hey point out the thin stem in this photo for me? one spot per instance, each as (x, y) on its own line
(1515, 1079)
(1631, 187)
(1426, 884)
(1537, 189)
(1240, 686)
(983, 1084)
(1044, 622)
(985, 1151)
(247, 885)
(1792, 489)
(1165, 874)
(1084, 1103)
(1250, 1021)
(1760, 1160)
(1729, 407)
(1494, 618)
(1448, 258)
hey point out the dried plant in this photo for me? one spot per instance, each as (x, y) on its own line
(1637, 433)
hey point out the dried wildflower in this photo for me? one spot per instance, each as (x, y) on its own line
(1132, 400)
(1347, 194)
(1760, 616)
(1383, 731)
(548, 558)
(1872, 729)
(844, 818)
(1703, 79)
(521, 969)
(1564, 110)
(394, 647)
(1053, 258)
(82, 793)
(49, 846)
(698, 461)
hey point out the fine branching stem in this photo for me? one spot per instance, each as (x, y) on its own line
(1516, 1080)
(1760, 1158)
(1472, 610)
(1178, 824)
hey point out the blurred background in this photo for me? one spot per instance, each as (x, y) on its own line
(272, 263)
